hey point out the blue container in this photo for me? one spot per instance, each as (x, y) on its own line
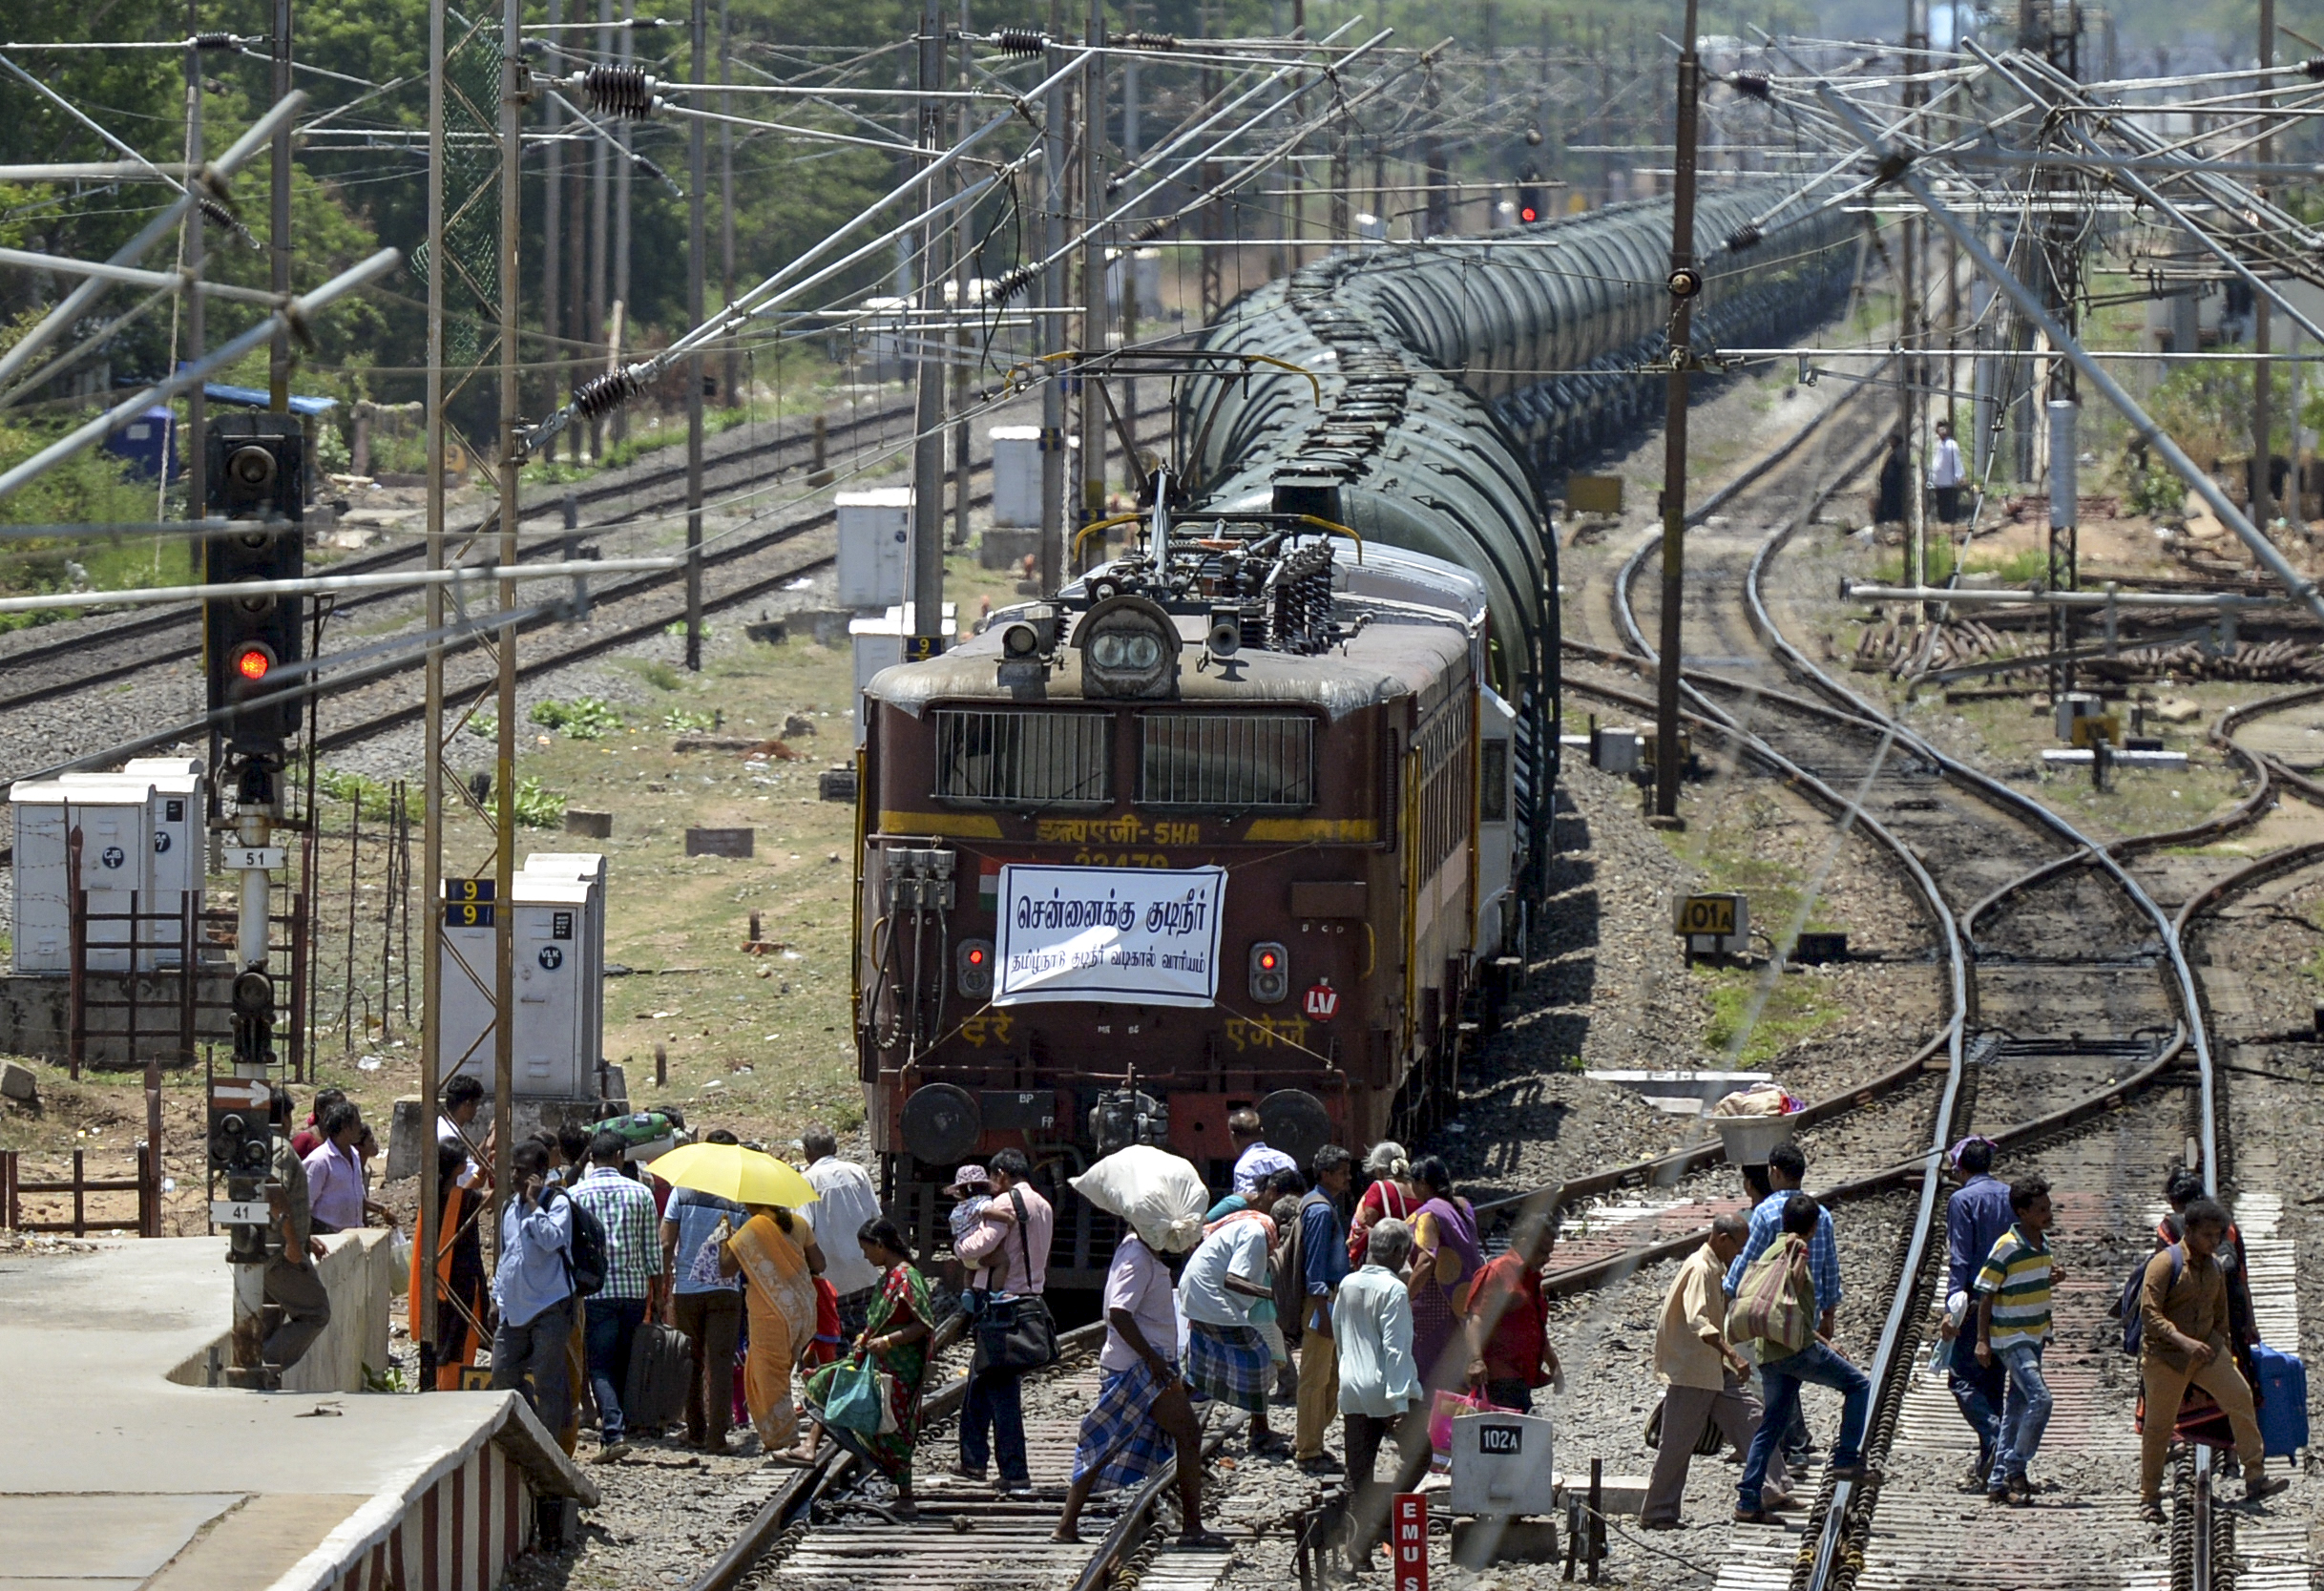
(2282, 1391)
(149, 443)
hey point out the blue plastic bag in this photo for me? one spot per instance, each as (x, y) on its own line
(857, 1400)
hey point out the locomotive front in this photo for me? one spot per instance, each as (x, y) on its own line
(1197, 836)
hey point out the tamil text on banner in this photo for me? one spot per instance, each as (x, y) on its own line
(1132, 935)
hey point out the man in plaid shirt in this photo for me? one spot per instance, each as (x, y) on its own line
(633, 1264)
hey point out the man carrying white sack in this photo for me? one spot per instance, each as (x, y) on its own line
(1142, 1415)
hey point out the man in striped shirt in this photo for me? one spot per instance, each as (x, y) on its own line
(632, 1265)
(2013, 1323)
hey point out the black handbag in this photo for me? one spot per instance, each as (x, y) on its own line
(1015, 1333)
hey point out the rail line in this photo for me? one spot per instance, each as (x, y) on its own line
(743, 449)
(822, 1527)
(576, 649)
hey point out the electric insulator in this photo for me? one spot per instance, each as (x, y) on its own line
(1020, 41)
(1151, 229)
(1746, 236)
(1009, 284)
(619, 90)
(1148, 41)
(218, 215)
(2313, 66)
(216, 41)
(1751, 85)
(600, 393)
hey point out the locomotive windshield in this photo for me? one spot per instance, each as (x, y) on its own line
(1023, 759)
(1240, 761)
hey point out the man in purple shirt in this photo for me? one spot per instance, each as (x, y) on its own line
(1975, 1217)
(334, 1171)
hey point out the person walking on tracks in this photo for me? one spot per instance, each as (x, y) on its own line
(1254, 1160)
(2013, 1324)
(633, 1269)
(1322, 1259)
(845, 1199)
(894, 1340)
(1142, 1415)
(1446, 1258)
(2183, 1318)
(1781, 1289)
(533, 1287)
(1508, 1323)
(292, 1283)
(1707, 1382)
(1227, 1358)
(1380, 1385)
(777, 1256)
(1976, 1216)
(707, 1307)
(1014, 1332)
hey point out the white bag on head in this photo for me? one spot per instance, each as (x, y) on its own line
(1159, 1193)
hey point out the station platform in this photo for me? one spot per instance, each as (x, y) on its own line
(126, 1468)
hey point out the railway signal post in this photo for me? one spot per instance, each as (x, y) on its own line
(255, 481)
(1685, 281)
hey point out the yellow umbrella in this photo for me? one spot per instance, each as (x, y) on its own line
(730, 1171)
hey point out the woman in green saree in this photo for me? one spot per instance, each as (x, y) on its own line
(896, 1331)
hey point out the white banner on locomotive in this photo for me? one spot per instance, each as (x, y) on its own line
(1128, 935)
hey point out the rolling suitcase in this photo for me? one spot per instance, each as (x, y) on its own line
(660, 1364)
(2283, 1393)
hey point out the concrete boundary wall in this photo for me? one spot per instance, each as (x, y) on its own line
(359, 1273)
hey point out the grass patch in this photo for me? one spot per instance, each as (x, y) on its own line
(585, 718)
(662, 675)
(1796, 1011)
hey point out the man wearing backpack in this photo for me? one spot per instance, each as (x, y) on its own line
(532, 1289)
(632, 1270)
(1781, 1290)
(2182, 1322)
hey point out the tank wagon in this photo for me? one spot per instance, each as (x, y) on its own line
(1253, 814)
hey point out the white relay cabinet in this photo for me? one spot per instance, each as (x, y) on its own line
(141, 833)
(558, 1016)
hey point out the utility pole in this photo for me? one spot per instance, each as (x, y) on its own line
(1130, 146)
(504, 780)
(278, 240)
(1093, 283)
(431, 786)
(731, 376)
(2263, 383)
(197, 441)
(1909, 316)
(552, 226)
(621, 197)
(1685, 281)
(963, 274)
(927, 639)
(1215, 215)
(600, 175)
(697, 246)
(1052, 330)
(1436, 215)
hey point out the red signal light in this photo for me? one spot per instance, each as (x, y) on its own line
(977, 956)
(253, 662)
(1528, 214)
(1267, 961)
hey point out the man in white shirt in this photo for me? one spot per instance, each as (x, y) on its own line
(1379, 1393)
(1227, 1358)
(1142, 1415)
(845, 1199)
(1946, 474)
(463, 1100)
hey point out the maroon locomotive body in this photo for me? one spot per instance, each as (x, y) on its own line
(1304, 742)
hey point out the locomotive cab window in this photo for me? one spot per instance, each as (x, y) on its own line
(1234, 761)
(1022, 759)
(1492, 777)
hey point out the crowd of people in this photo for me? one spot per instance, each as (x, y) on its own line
(1359, 1305)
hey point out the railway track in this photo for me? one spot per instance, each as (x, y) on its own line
(736, 571)
(100, 652)
(2081, 999)
(829, 1525)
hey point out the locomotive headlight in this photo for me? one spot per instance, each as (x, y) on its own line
(1129, 648)
(1020, 640)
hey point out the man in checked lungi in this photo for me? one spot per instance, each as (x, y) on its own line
(1142, 1415)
